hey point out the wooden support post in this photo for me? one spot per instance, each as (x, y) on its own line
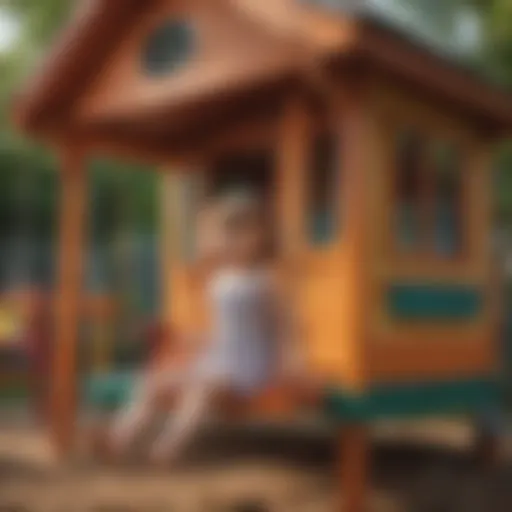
(290, 194)
(359, 142)
(68, 300)
(489, 428)
(354, 461)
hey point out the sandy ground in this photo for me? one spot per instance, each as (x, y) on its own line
(417, 467)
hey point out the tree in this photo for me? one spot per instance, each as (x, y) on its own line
(39, 19)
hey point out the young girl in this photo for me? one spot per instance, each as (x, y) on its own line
(250, 343)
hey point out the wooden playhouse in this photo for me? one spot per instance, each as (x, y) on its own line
(372, 144)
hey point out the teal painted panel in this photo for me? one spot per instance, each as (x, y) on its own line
(433, 302)
(108, 390)
(413, 400)
(114, 389)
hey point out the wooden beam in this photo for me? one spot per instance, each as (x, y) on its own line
(68, 303)
(455, 86)
(354, 458)
(292, 159)
(359, 144)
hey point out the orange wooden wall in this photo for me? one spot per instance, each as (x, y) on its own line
(401, 351)
(340, 288)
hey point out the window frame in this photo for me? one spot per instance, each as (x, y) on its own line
(463, 239)
(425, 252)
(185, 37)
(333, 130)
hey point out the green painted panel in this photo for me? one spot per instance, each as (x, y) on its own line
(433, 302)
(108, 390)
(413, 400)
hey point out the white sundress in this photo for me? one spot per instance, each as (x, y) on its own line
(243, 352)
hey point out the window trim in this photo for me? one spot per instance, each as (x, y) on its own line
(425, 253)
(182, 55)
(334, 130)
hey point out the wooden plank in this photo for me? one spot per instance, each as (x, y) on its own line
(354, 468)
(292, 154)
(229, 52)
(359, 142)
(70, 267)
(395, 359)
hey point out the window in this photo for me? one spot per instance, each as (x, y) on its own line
(448, 221)
(322, 186)
(428, 196)
(409, 185)
(167, 48)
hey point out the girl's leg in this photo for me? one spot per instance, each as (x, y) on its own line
(139, 413)
(193, 407)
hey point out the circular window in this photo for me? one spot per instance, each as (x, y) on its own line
(168, 47)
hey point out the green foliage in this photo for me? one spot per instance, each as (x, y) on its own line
(39, 18)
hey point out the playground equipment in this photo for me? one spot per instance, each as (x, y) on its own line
(10, 323)
(99, 312)
(28, 332)
(373, 149)
(15, 310)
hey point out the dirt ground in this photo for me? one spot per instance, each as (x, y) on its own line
(417, 467)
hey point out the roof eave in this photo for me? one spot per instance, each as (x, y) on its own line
(435, 74)
(77, 55)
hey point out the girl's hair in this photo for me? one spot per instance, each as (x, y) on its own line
(242, 208)
(239, 206)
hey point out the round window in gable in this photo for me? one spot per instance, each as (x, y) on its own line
(167, 48)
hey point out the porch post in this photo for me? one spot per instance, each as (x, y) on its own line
(354, 467)
(360, 141)
(72, 217)
(293, 149)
